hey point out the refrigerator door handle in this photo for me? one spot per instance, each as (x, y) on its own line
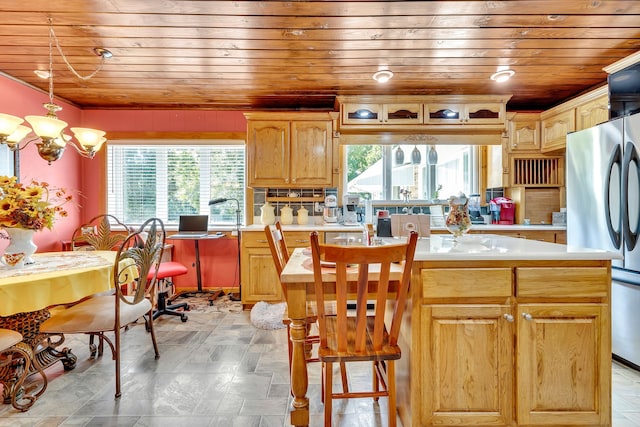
(630, 156)
(616, 159)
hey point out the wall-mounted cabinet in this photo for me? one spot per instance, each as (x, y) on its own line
(465, 113)
(379, 114)
(524, 132)
(423, 114)
(293, 152)
(579, 113)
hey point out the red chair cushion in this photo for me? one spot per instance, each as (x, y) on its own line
(170, 269)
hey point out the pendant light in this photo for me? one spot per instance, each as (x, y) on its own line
(432, 157)
(49, 139)
(399, 156)
(416, 156)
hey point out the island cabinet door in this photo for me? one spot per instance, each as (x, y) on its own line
(560, 375)
(467, 365)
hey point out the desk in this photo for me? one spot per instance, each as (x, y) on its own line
(297, 276)
(196, 240)
(54, 278)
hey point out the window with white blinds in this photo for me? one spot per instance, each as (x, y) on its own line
(167, 181)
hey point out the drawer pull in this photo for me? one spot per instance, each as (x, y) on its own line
(302, 240)
(508, 317)
(262, 241)
(527, 316)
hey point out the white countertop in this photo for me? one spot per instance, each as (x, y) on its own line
(443, 247)
(347, 228)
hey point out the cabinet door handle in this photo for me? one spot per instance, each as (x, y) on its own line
(508, 317)
(261, 241)
(302, 240)
(527, 316)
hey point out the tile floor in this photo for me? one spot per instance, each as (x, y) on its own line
(214, 370)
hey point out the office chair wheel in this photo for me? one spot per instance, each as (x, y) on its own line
(184, 318)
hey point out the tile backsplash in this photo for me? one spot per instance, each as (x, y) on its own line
(260, 197)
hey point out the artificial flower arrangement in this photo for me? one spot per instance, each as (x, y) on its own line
(32, 206)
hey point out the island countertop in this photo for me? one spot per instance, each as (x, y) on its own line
(444, 247)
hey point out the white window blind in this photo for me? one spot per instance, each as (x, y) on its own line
(167, 181)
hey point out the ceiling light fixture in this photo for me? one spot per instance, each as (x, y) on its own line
(502, 76)
(382, 76)
(49, 129)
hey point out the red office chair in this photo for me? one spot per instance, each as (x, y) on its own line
(166, 271)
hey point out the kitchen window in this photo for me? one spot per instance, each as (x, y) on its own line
(166, 181)
(401, 172)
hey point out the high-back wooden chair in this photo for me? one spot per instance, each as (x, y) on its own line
(104, 315)
(379, 273)
(18, 356)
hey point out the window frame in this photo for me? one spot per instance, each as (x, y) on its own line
(204, 175)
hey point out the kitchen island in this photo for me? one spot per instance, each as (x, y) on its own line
(499, 331)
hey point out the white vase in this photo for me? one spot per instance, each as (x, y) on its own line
(21, 240)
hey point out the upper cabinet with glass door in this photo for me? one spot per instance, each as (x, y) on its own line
(380, 114)
(465, 113)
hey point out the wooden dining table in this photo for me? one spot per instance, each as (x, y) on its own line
(297, 277)
(27, 295)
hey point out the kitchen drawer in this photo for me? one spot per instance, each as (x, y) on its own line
(254, 239)
(569, 282)
(466, 282)
(299, 239)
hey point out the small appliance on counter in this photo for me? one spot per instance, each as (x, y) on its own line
(330, 214)
(349, 213)
(474, 209)
(502, 211)
(384, 224)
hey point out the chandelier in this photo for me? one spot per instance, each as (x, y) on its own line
(50, 138)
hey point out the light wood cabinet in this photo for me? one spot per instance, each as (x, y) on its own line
(285, 153)
(555, 129)
(592, 113)
(377, 114)
(579, 113)
(260, 281)
(510, 344)
(524, 133)
(464, 113)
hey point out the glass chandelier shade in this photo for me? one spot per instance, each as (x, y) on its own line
(8, 125)
(46, 127)
(399, 156)
(432, 156)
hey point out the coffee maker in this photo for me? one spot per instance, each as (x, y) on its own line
(330, 213)
(350, 205)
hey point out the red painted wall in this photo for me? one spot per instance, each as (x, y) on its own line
(86, 178)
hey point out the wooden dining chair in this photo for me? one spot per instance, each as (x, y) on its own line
(101, 315)
(345, 337)
(18, 356)
(280, 255)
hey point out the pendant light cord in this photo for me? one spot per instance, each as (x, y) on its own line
(52, 36)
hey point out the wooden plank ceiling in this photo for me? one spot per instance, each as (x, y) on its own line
(255, 55)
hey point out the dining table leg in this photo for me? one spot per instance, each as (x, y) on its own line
(297, 307)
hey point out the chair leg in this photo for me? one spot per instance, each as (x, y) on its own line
(116, 356)
(375, 379)
(343, 375)
(328, 391)
(391, 388)
(153, 335)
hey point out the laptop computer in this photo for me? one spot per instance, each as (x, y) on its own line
(192, 226)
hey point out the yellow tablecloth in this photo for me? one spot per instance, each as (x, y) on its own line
(55, 278)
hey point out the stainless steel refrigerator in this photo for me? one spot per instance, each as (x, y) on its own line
(603, 212)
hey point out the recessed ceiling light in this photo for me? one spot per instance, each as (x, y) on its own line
(43, 74)
(502, 76)
(382, 76)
